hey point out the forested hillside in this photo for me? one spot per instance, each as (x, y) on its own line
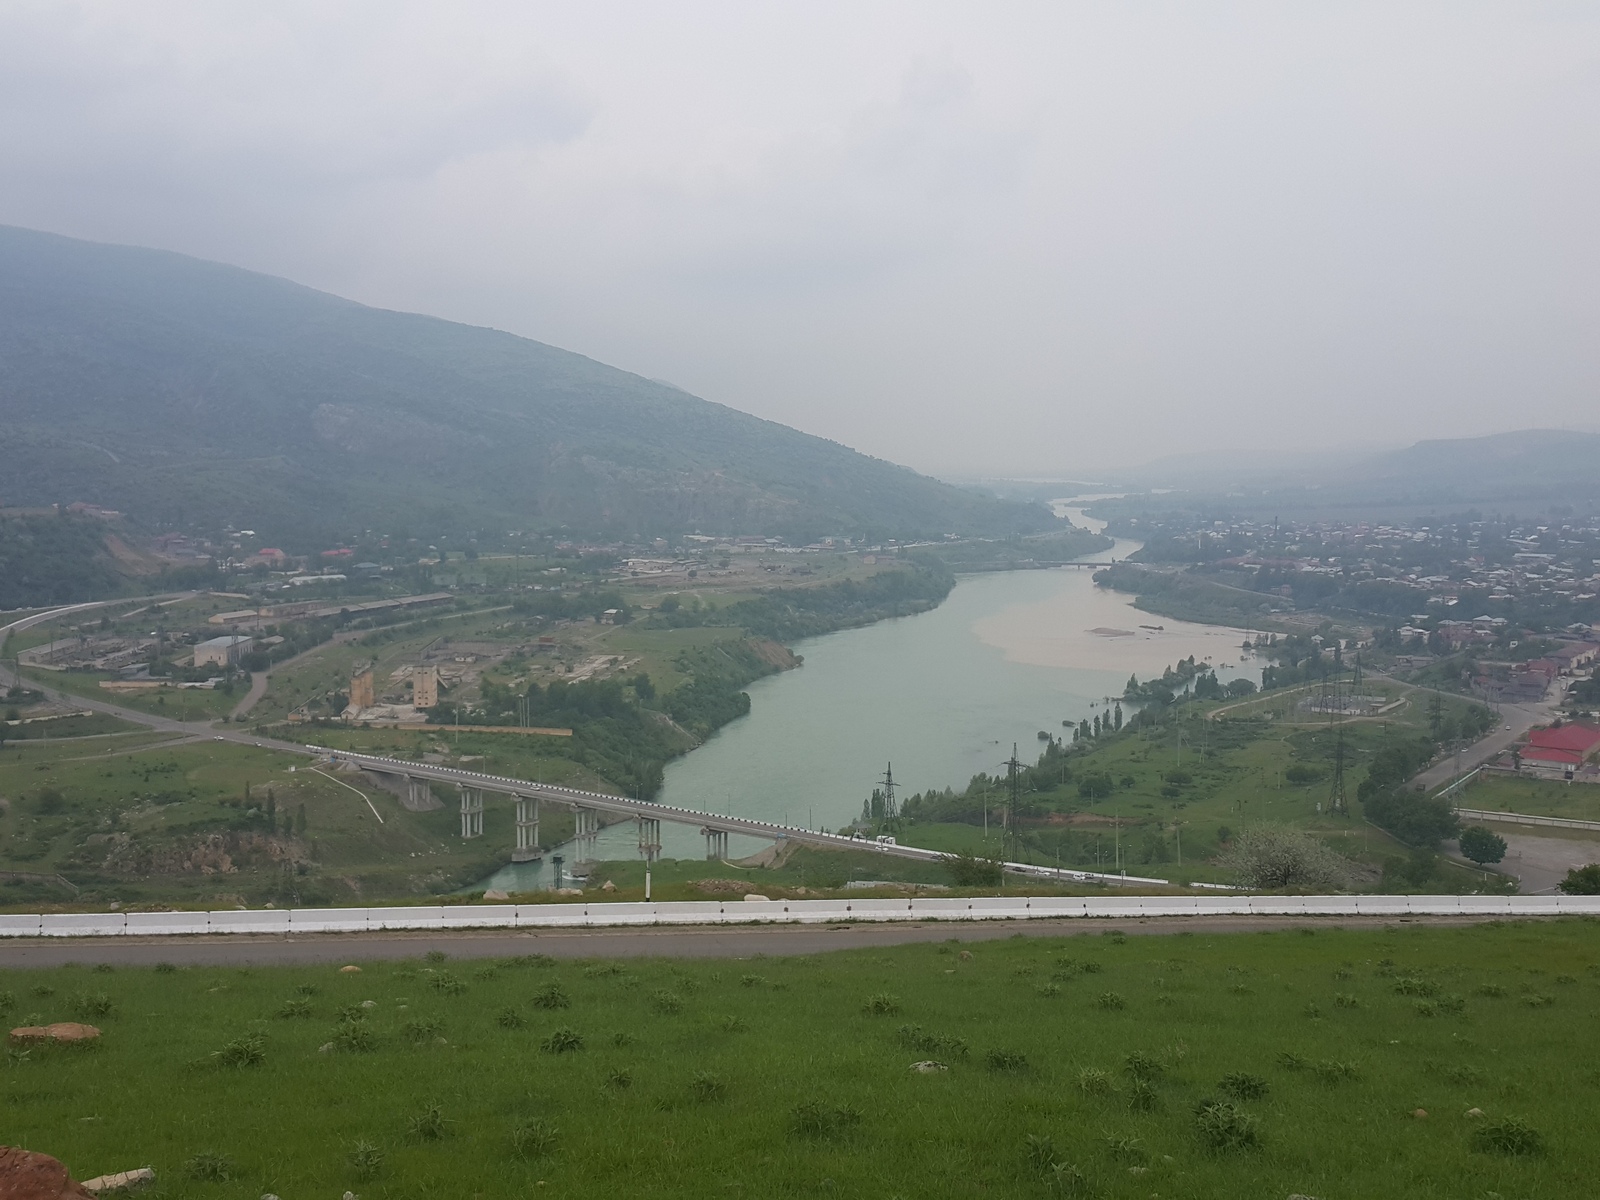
(185, 393)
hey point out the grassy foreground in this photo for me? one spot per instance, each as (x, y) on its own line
(791, 1077)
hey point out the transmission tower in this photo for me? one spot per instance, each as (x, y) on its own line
(1337, 802)
(890, 813)
(1009, 847)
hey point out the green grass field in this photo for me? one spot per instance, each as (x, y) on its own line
(1076, 1066)
(1538, 797)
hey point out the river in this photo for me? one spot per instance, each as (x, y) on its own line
(942, 696)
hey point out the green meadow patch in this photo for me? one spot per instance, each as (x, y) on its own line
(1230, 1065)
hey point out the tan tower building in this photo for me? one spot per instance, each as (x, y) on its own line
(361, 693)
(425, 687)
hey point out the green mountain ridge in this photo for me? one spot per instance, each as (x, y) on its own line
(191, 394)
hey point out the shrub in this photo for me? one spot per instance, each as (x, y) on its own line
(1333, 1071)
(435, 957)
(1143, 1097)
(1092, 1081)
(1270, 857)
(356, 1038)
(97, 1005)
(1511, 1137)
(1242, 1086)
(166, 968)
(752, 980)
(443, 981)
(248, 1051)
(1143, 1066)
(817, 1120)
(666, 1003)
(881, 1005)
(1113, 1001)
(733, 1025)
(533, 1139)
(1126, 1149)
(1482, 845)
(551, 996)
(366, 1160)
(509, 1018)
(1005, 1060)
(421, 1029)
(1537, 1000)
(428, 1125)
(211, 1168)
(1068, 1180)
(620, 1078)
(1411, 985)
(602, 971)
(914, 1037)
(486, 974)
(1489, 990)
(1344, 1000)
(298, 1007)
(1291, 1061)
(706, 1087)
(562, 1041)
(1041, 1151)
(1582, 881)
(306, 989)
(1222, 1127)
(8, 1001)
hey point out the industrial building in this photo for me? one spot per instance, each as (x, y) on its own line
(222, 651)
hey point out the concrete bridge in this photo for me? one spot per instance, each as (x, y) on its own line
(587, 807)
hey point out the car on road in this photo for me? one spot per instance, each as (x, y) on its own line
(219, 738)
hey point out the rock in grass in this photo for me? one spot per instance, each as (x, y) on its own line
(25, 1175)
(1472, 1114)
(496, 894)
(757, 896)
(369, 1004)
(350, 969)
(928, 1067)
(120, 1181)
(61, 1031)
(1420, 1114)
(325, 1048)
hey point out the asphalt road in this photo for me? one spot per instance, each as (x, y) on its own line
(657, 942)
(1513, 722)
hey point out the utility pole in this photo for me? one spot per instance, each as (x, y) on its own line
(890, 813)
(1009, 850)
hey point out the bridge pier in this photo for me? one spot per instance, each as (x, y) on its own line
(586, 828)
(716, 844)
(528, 849)
(471, 811)
(419, 796)
(650, 838)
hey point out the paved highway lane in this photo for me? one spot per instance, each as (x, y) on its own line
(659, 942)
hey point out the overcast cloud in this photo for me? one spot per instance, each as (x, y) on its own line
(972, 238)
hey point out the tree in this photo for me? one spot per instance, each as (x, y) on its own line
(1481, 845)
(1271, 857)
(1582, 881)
(970, 871)
(1116, 718)
(1422, 821)
(300, 820)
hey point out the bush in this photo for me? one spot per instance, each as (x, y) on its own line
(666, 1003)
(97, 1005)
(1270, 857)
(1582, 881)
(298, 1007)
(1482, 845)
(881, 1005)
(818, 1121)
(1242, 1086)
(422, 1029)
(1092, 1081)
(1222, 1127)
(356, 1038)
(1143, 1097)
(443, 981)
(913, 1037)
(509, 1018)
(533, 1139)
(967, 870)
(211, 1168)
(551, 996)
(366, 1160)
(428, 1125)
(248, 1051)
(562, 1041)
(707, 1087)
(1005, 1060)
(1113, 1001)
(1143, 1066)
(1511, 1137)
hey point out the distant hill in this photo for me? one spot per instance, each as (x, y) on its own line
(190, 394)
(1527, 469)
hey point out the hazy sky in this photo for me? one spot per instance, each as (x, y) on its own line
(985, 237)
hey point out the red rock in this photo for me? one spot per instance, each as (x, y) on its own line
(61, 1031)
(25, 1175)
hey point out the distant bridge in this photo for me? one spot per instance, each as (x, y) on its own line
(586, 807)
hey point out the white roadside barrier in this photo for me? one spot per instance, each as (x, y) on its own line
(773, 912)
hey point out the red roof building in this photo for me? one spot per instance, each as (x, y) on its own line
(1581, 740)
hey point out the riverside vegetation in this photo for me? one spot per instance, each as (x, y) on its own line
(1415, 1061)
